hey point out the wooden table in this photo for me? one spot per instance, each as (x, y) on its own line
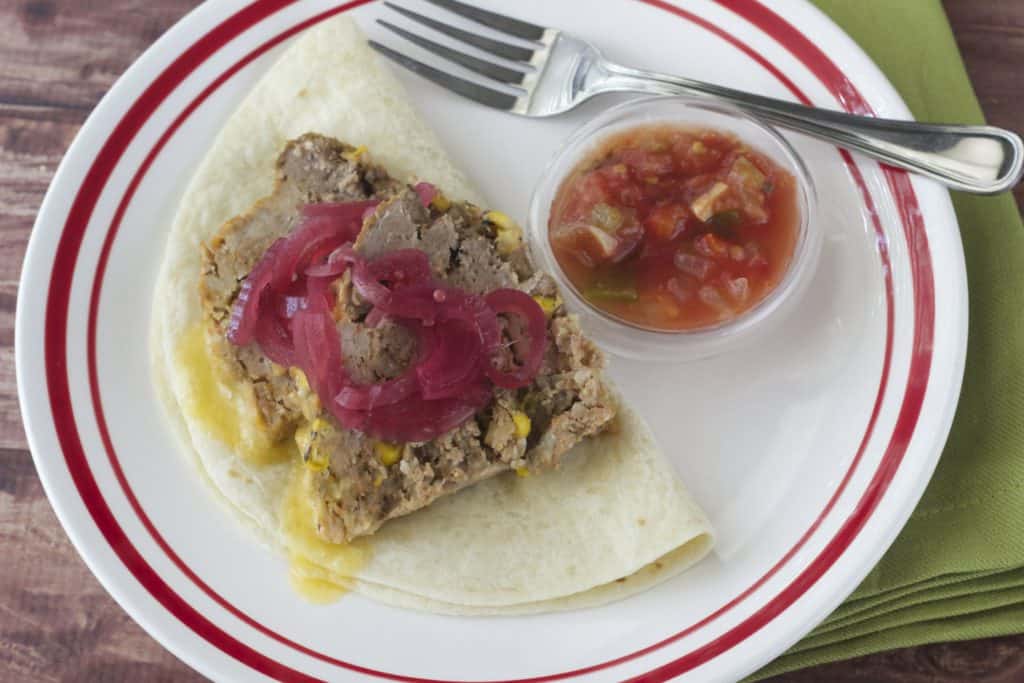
(57, 58)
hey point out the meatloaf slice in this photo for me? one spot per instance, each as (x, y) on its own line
(355, 482)
(368, 483)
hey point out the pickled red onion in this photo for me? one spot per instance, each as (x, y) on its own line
(395, 268)
(286, 302)
(245, 311)
(519, 303)
(426, 191)
(375, 317)
(415, 421)
(275, 340)
(371, 396)
(453, 366)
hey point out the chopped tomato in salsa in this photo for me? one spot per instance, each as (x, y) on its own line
(673, 228)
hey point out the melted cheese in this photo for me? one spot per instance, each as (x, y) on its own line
(320, 571)
(222, 411)
(313, 583)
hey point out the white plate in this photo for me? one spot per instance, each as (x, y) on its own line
(808, 452)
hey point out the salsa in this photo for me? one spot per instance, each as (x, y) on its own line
(672, 228)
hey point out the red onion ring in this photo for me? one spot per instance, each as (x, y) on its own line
(375, 317)
(399, 269)
(453, 366)
(245, 310)
(285, 305)
(418, 421)
(275, 340)
(372, 396)
(474, 311)
(426, 191)
(519, 303)
(338, 261)
(290, 305)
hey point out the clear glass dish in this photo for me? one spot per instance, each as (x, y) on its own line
(627, 339)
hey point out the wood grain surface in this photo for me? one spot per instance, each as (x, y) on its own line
(57, 58)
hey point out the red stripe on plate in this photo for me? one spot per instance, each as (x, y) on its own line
(876, 409)
(735, 42)
(57, 317)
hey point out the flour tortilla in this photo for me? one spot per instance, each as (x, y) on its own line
(510, 545)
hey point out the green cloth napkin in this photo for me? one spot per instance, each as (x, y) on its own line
(956, 571)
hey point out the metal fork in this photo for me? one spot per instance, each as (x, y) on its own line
(559, 72)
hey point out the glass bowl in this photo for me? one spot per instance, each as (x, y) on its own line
(628, 339)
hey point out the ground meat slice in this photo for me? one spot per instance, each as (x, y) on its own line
(479, 269)
(312, 168)
(459, 244)
(567, 402)
(396, 226)
(440, 240)
(373, 354)
(502, 434)
(366, 482)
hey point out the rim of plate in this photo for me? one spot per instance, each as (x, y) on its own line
(75, 221)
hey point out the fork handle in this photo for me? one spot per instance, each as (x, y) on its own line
(978, 159)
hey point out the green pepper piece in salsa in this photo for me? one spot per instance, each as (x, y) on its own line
(726, 219)
(724, 223)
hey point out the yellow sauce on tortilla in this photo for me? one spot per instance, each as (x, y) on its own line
(320, 571)
(305, 579)
(218, 408)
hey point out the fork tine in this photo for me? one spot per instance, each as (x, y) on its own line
(473, 91)
(495, 47)
(499, 22)
(484, 68)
